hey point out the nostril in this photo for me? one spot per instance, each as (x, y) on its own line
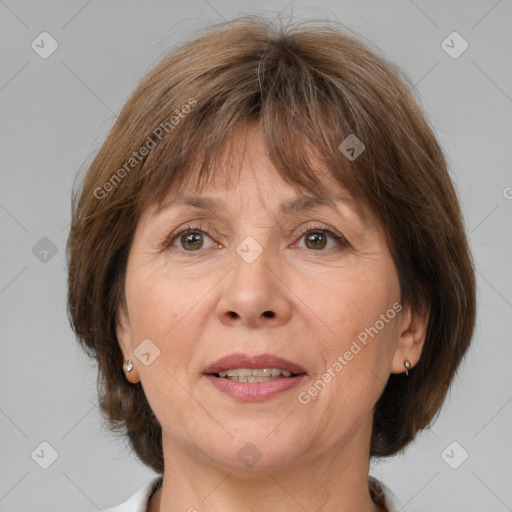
(269, 314)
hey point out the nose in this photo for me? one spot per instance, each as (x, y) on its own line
(254, 295)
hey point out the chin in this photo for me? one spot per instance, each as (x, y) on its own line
(257, 451)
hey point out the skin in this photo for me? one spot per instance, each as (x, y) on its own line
(315, 455)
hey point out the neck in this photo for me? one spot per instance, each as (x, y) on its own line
(336, 481)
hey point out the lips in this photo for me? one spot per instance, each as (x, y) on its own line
(254, 391)
(239, 360)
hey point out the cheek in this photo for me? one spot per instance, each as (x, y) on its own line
(358, 344)
(160, 301)
(349, 306)
(162, 310)
(356, 367)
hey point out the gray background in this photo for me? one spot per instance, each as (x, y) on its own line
(55, 112)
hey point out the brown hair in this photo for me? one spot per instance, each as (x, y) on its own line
(309, 86)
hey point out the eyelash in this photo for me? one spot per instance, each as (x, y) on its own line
(341, 241)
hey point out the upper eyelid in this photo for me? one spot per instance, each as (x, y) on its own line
(209, 227)
(300, 231)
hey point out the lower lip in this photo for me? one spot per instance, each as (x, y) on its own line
(254, 391)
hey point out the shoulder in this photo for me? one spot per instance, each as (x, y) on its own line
(382, 495)
(138, 502)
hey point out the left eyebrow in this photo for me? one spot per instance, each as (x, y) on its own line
(295, 205)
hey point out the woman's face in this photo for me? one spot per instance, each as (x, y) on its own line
(263, 281)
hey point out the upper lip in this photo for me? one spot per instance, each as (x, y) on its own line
(239, 360)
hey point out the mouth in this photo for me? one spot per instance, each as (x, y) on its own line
(254, 378)
(255, 375)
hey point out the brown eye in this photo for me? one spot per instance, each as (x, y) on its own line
(189, 240)
(315, 240)
(192, 240)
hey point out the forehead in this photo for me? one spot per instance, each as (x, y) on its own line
(294, 203)
(244, 158)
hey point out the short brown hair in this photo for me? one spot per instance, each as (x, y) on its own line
(309, 86)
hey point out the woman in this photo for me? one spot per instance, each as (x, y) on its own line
(268, 260)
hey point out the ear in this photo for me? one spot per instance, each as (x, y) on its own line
(412, 335)
(124, 339)
(123, 331)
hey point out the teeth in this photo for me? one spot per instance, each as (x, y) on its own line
(253, 378)
(256, 375)
(258, 372)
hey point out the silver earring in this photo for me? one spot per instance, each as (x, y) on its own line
(128, 366)
(407, 365)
